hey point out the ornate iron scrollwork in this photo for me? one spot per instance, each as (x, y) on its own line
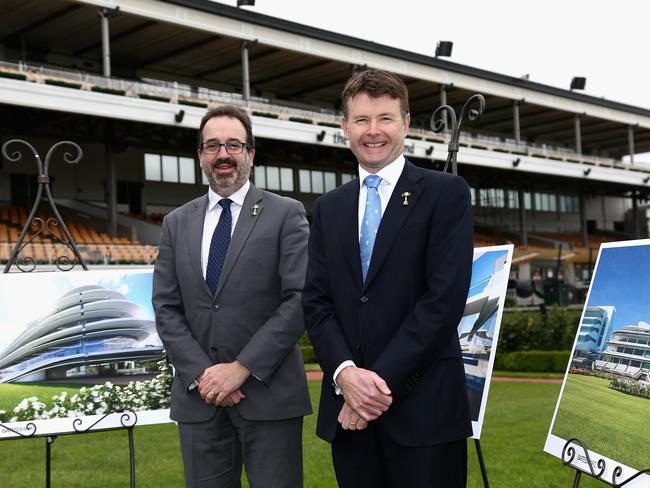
(472, 109)
(28, 263)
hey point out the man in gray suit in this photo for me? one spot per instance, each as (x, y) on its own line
(227, 286)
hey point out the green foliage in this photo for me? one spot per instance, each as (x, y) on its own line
(110, 91)
(553, 331)
(156, 98)
(302, 120)
(268, 115)
(12, 75)
(329, 124)
(308, 354)
(192, 103)
(532, 361)
(630, 386)
(65, 84)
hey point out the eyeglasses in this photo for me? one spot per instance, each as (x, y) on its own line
(235, 147)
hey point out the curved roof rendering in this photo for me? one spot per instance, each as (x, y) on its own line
(86, 325)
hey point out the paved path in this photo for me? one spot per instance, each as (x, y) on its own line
(318, 375)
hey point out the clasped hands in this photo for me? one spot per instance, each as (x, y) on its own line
(219, 385)
(366, 395)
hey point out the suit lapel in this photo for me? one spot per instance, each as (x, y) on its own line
(245, 223)
(394, 217)
(348, 216)
(194, 226)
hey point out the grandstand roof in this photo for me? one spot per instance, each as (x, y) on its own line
(198, 42)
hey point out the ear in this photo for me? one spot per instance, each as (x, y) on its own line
(407, 123)
(251, 155)
(344, 126)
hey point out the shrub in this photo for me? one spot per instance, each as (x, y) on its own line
(12, 75)
(192, 103)
(532, 361)
(329, 124)
(268, 115)
(308, 354)
(110, 91)
(631, 387)
(302, 120)
(156, 98)
(553, 331)
(65, 84)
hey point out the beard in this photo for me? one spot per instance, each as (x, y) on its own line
(226, 185)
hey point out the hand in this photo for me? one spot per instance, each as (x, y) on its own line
(365, 392)
(349, 420)
(220, 380)
(231, 400)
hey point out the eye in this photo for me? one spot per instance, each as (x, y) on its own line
(234, 146)
(212, 146)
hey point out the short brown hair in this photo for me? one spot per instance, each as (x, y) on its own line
(228, 111)
(376, 83)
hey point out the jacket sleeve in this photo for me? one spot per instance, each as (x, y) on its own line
(184, 351)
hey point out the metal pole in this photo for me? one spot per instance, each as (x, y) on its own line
(111, 187)
(523, 232)
(246, 88)
(515, 117)
(584, 238)
(443, 101)
(635, 216)
(131, 457)
(576, 124)
(481, 463)
(104, 14)
(576, 480)
(630, 142)
(48, 460)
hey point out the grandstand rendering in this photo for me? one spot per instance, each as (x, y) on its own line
(131, 79)
(627, 353)
(88, 325)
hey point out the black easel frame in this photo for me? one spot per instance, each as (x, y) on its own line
(27, 264)
(569, 453)
(472, 109)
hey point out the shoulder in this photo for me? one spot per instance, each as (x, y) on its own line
(279, 201)
(338, 193)
(437, 179)
(180, 212)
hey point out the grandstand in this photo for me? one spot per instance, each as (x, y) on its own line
(545, 165)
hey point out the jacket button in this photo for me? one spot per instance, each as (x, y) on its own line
(364, 299)
(217, 307)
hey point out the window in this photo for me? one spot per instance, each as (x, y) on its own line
(545, 202)
(273, 178)
(347, 177)
(569, 204)
(492, 197)
(315, 181)
(169, 169)
(512, 199)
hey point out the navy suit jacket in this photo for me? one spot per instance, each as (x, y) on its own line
(402, 322)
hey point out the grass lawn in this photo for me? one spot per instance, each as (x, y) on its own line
(514, 432)
(609, 422)
(11, 395)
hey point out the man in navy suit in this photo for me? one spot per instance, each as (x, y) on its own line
(390, 258)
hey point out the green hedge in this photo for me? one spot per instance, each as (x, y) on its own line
(65, 84)
(156, 98)
(329, 124)
(532, 361)
(308, 354)
(192, 103)
(110, 91)
(525, 331)
(12, 75)
(302, 120)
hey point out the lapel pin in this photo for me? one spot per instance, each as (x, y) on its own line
(406, 196)
(254, 209)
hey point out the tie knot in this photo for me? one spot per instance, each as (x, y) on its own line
(372, 181)
(225, 203)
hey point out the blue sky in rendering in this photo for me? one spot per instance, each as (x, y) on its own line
(621, 280)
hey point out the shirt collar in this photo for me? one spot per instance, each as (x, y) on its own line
(389, 173)
(237, 197)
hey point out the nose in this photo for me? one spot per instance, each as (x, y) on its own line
(373, 126)
(222, 148)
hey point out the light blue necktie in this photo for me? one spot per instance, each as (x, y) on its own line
(219, 246)
(370, 223)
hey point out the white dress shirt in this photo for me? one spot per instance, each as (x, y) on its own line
(389, 175)
(212, 215)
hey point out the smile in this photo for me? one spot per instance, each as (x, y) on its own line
(374, 144)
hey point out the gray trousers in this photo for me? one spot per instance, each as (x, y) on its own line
(213, 451)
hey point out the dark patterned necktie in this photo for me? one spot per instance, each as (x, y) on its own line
(219, 246)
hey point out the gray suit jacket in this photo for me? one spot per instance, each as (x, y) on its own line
(255, 315)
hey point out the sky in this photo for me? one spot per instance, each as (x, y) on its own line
(550, 41)
(621, 280)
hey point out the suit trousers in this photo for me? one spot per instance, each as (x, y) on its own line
(369, 458)
(213, 451)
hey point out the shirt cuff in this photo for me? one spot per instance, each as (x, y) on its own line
(341, 367)
(193, 385)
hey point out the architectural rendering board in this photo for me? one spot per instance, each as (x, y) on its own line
(605, 397)
(478, 330)
(79, 344)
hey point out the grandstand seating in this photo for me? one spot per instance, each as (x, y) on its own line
(94, 246)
